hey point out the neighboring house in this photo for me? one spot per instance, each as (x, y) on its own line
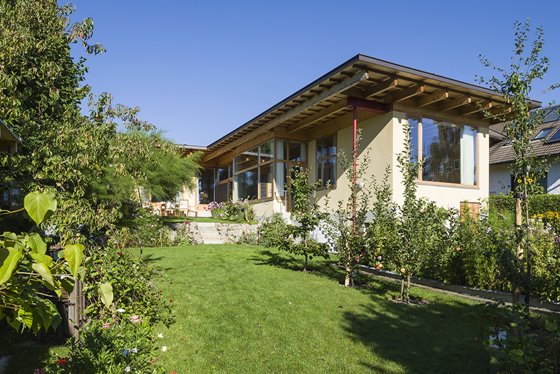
(312, 126)
(546, 143)
(8, 146)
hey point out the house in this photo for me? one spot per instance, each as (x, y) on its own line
(450, 134)
(8, 145)
(546, 143)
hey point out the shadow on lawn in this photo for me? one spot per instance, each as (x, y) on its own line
(324, 268)
(443, 336)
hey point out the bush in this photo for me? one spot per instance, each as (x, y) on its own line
(522, 342)
(114, 346)
(538, 204)
(236, 211)
(273, 231)
(132, 279)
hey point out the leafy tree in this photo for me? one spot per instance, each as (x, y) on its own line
(93, 162)
(29, 278)
(306, 214)
(515, 84)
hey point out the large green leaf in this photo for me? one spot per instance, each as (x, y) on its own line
(43, 259)
(74, 253)
(9, 259)
(106, 292)
(44, 272)
(39, 205)
(36, 243)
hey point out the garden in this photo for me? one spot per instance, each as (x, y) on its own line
(92, 282)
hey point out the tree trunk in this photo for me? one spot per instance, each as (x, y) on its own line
(407, 288)
(305, 262)
(348, 281)
(519, 252)
(402, 288)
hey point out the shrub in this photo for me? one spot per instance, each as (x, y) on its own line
(132, 279)
(273, 231)
(521, 342)
(538, 204)
(237, 211)
(113, 346)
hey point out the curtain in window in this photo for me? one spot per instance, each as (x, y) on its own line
(468, 155)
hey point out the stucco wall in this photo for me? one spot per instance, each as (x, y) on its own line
(377, 140)
(264, 209)
(500, 179)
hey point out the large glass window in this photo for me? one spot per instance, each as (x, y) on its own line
(447, 152)
(253, 172)
(326, 160)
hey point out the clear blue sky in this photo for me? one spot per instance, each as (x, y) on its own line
(199, 69)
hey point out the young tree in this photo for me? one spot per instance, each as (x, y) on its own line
(306, 214)
(515, 84)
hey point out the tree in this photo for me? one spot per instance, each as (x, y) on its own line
(93, 162)
(307, 217)
(515, 84)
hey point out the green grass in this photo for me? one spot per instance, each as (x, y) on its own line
(248, 309)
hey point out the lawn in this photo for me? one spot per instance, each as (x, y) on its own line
(248, 309)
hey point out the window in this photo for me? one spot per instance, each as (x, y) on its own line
(288, 154)
(447, 152)
(326, 160)
(543, 133)
(253, 172)
(555, 137)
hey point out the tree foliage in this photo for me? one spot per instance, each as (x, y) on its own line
(93, 161)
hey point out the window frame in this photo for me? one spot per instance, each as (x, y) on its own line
(321, 161)
(257, 167)
(419, 179)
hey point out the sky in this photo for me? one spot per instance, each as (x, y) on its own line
(199, 69)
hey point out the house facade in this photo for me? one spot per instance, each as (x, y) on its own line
(546, 144)
(375, 98)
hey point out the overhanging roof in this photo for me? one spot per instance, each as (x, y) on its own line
(7, 134)
(377, 81)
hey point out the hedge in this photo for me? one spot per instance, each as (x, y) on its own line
(538, 204)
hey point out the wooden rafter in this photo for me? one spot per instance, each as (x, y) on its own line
(378, 88)
(432, 98)
(476, 107)
(336, 89)
(317, 116)
(407, 93)
(455, 103)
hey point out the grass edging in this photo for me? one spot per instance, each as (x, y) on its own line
(463, 291)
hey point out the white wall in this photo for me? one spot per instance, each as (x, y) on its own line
(500, 179)
(553, 179)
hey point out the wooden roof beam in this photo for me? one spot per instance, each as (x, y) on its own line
(380, 87)
(433, 98)
(455, 103)
(407, 93)
(476, 107)
(336, 89)
(317, 116)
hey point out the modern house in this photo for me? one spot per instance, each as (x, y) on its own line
(546, 143)
(450, 134)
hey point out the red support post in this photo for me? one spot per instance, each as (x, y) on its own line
(354, 164)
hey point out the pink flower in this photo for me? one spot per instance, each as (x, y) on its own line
(135, 319)
(106, 325)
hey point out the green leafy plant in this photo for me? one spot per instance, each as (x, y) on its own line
(110, 346)
(273, 231)
(30, 279)
(117, 280)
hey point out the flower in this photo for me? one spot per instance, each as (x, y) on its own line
(164, 348)
(170, 300)
(62, 361)
(160, 335)
(120, 310)
(125, 352)
(135, 319)
(134, 350)
(127, 369)
(106, 325)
